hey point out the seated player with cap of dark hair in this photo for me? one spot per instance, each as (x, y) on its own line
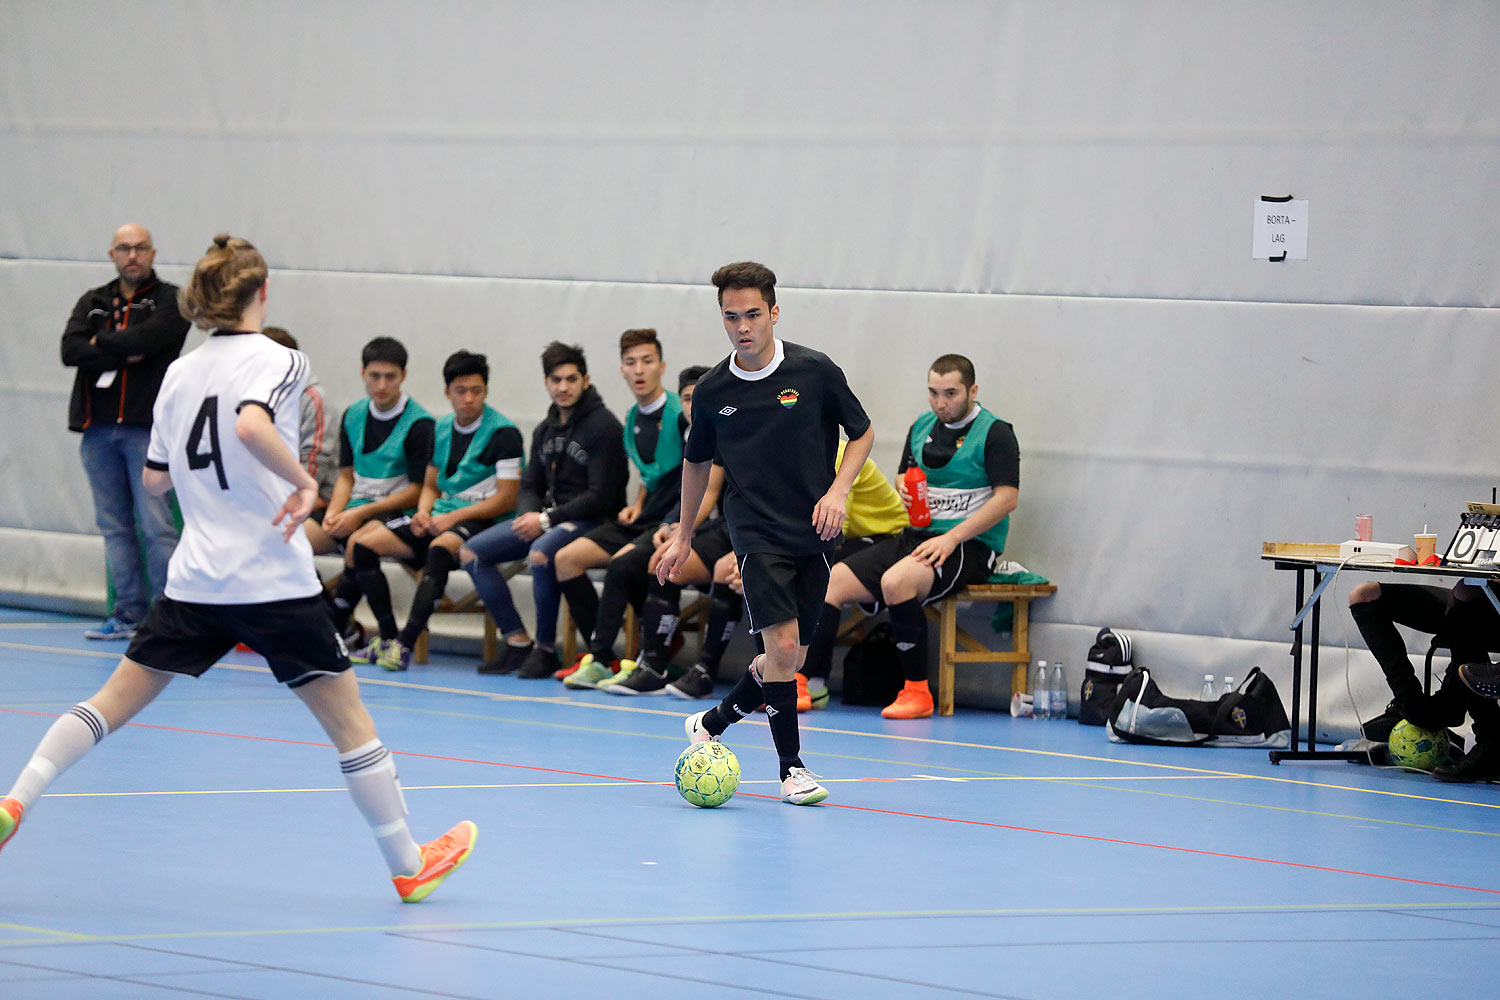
(471, 484)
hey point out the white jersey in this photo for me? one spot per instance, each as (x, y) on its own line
(230, 552)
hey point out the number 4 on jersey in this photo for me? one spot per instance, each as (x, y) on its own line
(208, 417)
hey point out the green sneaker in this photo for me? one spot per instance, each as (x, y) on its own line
(626, 666)
(369, 653)
(590, 674)
(394, 656)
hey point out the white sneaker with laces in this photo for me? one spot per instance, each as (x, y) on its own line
(801, 788)
(693, 724)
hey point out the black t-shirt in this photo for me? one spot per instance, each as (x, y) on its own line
(504, 443)
(777, 433)
(418, 445)
(1002, 455)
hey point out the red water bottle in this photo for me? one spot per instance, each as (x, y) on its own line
(917, 511)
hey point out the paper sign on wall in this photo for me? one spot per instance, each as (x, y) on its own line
(1280, 230)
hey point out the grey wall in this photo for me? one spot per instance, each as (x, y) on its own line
(1063, 191)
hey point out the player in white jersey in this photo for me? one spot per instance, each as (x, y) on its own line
(224, 434)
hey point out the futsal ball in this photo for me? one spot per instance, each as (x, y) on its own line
(708, 774)
(1422, 749)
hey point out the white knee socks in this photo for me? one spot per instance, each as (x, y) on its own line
(70, 737)
(371, 775)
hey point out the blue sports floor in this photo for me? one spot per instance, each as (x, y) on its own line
(210, 850)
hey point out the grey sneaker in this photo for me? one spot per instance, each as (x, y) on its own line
(692, 685)
(112, 627)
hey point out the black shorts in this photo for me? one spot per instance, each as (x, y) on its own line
(711, 542)
(296, 637)
(971, 562)
(401, 528)
(614, 536)
(782, 588)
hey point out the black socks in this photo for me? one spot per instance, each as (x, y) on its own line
(909, 625)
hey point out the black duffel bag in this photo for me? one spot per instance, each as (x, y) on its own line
(1250, 716)
(1108, 665)
(872, 669)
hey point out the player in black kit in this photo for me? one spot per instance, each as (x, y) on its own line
(772, 412)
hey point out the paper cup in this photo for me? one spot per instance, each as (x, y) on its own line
(1426, 546)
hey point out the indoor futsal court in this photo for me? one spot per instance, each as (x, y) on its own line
(1184, 314)
(975, 855)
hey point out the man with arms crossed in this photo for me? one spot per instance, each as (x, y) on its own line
(772, 411)
(121, 338)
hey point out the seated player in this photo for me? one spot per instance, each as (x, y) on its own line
(472, 482)
(385, 446)
(1470, 628)
(876, 513)
(972, 464)
(600, 617)
(575, 479)
(316, 447)
(654, 428)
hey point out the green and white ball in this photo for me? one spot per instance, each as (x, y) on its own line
(708, 774)
(1414, 747)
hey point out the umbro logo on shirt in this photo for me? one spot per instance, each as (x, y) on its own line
(727, 411)
(906, 647)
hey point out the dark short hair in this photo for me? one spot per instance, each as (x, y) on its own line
(386, 349)
(461, 363)
(746, 274)
(558, 353)
(955, 363)
(690, 376)
(635, 338)
(281, 335)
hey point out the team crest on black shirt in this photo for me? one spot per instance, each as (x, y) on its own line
(787, 398)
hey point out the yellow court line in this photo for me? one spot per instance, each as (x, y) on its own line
(609, 783)
(646, 921)
(920, 740)
(43, 930)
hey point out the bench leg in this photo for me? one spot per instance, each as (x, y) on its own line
(567, 634)
(491, 638)
(632, 633)
(419, 654)
(1020, 674)
(948, 630)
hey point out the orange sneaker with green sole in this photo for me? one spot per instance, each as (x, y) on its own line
(10, 818)
(440, 858)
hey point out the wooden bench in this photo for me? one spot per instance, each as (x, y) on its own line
(951, 637)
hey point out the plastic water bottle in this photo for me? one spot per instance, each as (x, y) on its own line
(1228, 684)
(1207, 694)
(1041, 693)
(1059, 691)
(917, 511)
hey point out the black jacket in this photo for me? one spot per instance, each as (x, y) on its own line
(578, 469)
(147, 324)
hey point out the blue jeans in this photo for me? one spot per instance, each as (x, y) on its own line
(114, 456)
(501, 544)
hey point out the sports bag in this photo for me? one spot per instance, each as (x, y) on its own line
(1107, 666)
(872, 669)
(1250, 716)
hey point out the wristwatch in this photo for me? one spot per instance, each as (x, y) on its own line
(544, 518)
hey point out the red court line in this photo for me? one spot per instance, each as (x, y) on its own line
(837, 805)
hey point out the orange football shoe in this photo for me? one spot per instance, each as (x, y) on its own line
(913, 702)
(804, 697)
(440, 858)
(10, 818)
